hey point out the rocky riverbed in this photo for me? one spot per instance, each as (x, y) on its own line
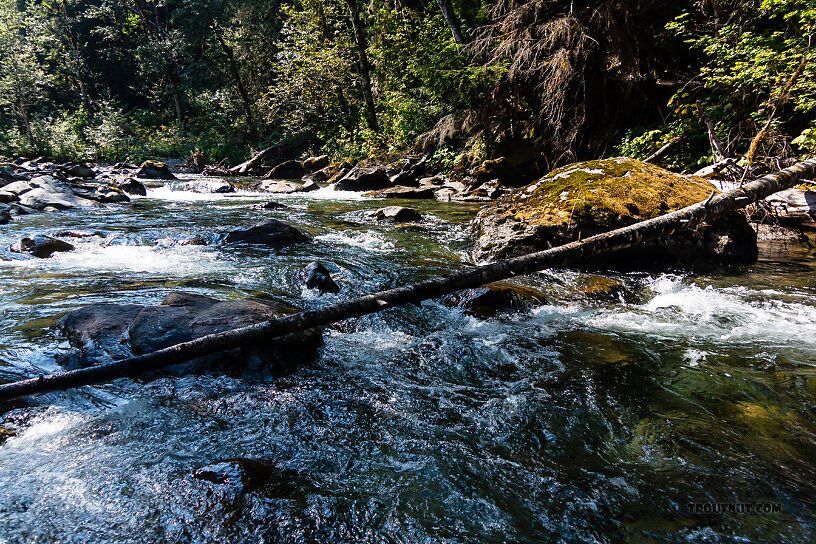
(565, 404)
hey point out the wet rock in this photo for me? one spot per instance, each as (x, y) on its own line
(79, 170)
(269, 233)
(397, 214)
(98, 333)
(584, 199)
(6, 197)
(288, 170)
(41, 246)
(499, 169)
(5, 214)
(132, 187)
(182, 317)
(248, 475)
(194, 241)
(313, 164)
(602, 288)
(48, 192)
(363, 179)
(154, 170)
(79, 234)
(206, 186)
(317, 276)
(270, 206)
(404, 192)
(282, 187)
(406, 178)
(487, 301)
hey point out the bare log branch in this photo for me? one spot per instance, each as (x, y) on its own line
(569, 254)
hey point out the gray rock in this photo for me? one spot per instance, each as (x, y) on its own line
(48, 192)
(41, 246)
(398, 214)
(269, 233)
(132, 187)
(364, 179)
(206, 186)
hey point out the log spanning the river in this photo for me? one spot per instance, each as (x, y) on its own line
(715, 206)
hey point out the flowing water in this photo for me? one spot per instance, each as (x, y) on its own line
(575, 421)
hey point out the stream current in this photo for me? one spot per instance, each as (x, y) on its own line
(574, 421)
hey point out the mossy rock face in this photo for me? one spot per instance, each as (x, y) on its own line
(588, 198)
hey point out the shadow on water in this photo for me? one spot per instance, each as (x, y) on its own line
(576, 421)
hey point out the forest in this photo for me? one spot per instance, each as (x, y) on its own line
(543, 82)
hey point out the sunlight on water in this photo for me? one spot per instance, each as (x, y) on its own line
(364, 240)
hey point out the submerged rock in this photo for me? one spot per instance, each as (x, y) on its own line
(584, 199)
(247, 475)
(363, 179)
(154, 170)
(317, 276)
(487, 301)
(100, 333)
(398, 214)
(269, 233)
(41, 246)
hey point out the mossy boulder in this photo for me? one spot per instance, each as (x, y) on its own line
(588, 198)
(155, 170)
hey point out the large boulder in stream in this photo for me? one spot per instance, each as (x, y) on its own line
(41, 246)
(46, 192)
(584, 199)
(103, 332)
(288, 170)
(364, 179)
(155, 170)
(269, 233)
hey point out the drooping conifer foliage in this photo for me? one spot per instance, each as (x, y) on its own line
(539, 81)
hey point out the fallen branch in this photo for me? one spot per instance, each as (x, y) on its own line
(687, 218)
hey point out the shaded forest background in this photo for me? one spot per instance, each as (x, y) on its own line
(542, 82)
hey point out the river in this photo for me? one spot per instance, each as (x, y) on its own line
(575, 421)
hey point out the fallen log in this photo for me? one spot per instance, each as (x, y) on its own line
(715, 206)
(253, 164)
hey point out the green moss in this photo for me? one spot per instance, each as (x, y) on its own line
(604, 194)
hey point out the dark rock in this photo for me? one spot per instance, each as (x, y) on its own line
(248, 475)
(405, 178)
(41, 246)
(154, 170)
(132, 187)
(363, 179)
(79, 234)
(404, 192)
(313, 164)
(309, 186)
(5, 215)
(317, 276)
(500, 169)
(487, 301)
(78, 170)
(6, 197)
(270, 206)
(602, 288)
(584, 199)
(183, 317)
(288, 170)
(319, 176)
(270, 233)
(98, 333)
(334, 172)
(398, 214)
(194, 241)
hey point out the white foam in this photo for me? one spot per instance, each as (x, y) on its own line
(363, 240)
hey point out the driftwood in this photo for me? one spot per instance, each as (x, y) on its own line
(686, 218)
(257, 160)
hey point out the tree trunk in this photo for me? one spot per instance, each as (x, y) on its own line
(452, 19)
(236, 75)
(365, 67)
(569, 254)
